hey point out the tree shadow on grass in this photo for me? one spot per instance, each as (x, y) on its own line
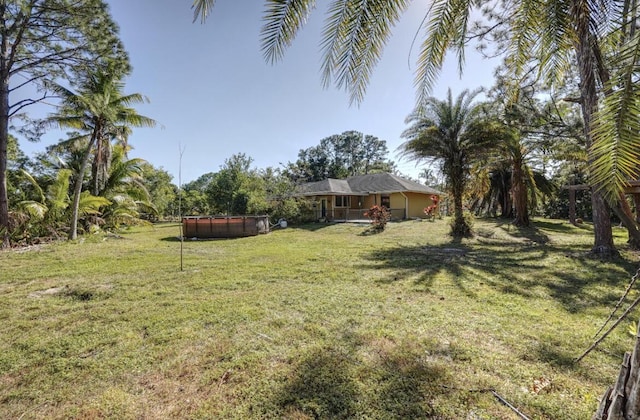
(371, 231)
(562, 227)
(533, 234)
(334, 382)
(320, 387)
(512, 267)
(312, 227)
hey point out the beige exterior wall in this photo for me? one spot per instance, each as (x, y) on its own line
(417, 203)
(397, 202)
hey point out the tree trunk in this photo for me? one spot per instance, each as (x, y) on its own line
(622, 209)
(95, 169)
(603, 236)
(460, 227)
(622, 401)
(519, 192)
(77, 189)
(101, 165)
(4, 141)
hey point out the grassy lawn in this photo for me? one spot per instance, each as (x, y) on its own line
(324, 321)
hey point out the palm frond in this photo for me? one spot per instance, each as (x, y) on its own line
(353, 39)
(525, 23)
(283, 19)
(615, 152)
(58, 192)
(91, 204)
(34, 209)
(35, 184)
(201, 9)
(446, 29)
(555, 45)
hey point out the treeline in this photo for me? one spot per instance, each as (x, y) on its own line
(117, 191)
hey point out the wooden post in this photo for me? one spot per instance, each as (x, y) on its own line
(572, 206)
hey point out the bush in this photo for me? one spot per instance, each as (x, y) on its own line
(379, 216)
(292, 210)
(430, 211)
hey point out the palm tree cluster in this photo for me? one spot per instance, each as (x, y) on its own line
(101, 114)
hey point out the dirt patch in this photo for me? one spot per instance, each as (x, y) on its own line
(28, 248)
(78, 294)
(53, 291)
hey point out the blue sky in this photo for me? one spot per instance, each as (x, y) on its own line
(213, 94)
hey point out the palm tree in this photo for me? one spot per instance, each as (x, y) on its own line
(125, 189)
(515, 125)
(441, 131)
(99, 109)
(600, 37)
(48, 209)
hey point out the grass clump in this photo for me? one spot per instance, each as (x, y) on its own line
(313, 322)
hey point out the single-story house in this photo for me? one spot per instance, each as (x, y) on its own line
(349, 199)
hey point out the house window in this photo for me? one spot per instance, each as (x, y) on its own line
(343, 201)
(385, 201)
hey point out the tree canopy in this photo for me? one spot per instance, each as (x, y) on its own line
(340, 156)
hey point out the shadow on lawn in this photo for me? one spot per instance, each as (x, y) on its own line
(514, 267)
(334, 382)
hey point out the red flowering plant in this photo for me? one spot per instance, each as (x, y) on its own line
(379, 216)
(430, 211)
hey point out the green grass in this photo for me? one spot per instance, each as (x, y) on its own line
(325, 321)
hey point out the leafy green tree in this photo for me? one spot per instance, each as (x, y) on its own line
(444, 131)
(549, 38)
(340, 156)
(237, 188)
(201, 184)
(17, 162)
(281, 204)
(157, 182)
(193, 203)
(194, 200)
(98, 109)
(43, 40)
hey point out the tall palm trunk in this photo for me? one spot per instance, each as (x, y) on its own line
(460, 227)
(519, 193)
(77, 189)
(505, 197)
(100, 166)
(603, 236)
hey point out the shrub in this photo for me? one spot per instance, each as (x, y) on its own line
(430, 211)
(379, 216)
